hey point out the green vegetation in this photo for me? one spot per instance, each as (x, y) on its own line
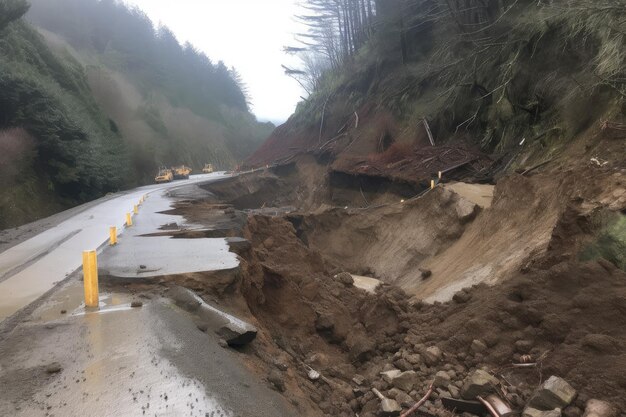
(60, 143)
(488, 71)
(610, 240)
(96, 98)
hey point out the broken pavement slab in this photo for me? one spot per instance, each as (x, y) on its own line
(554, 393)
(234, 331)
(146, 251)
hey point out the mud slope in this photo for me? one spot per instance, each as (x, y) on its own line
(390, 241)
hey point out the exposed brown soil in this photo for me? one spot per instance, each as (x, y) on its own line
(533, 297)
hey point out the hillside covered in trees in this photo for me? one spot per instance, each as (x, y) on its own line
(94, 99)
(513, 79)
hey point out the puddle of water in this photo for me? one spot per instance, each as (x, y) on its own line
(118, 371)
(70, 300)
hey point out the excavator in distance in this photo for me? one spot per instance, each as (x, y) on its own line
(169, 174)
(164, 175)
(181, 173)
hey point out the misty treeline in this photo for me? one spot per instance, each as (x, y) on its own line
(130, 42)
(96, 99)
(409, 30)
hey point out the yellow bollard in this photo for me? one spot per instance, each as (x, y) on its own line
(135, 209)
(129, 220)
(432, 184)
(112, 235)
(90, 278)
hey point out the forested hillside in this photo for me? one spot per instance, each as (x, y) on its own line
(516, 79)
(93, 98)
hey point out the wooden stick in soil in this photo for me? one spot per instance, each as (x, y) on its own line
(419, 403)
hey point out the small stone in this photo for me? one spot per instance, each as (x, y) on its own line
(388, 376)
(523, 346)
(442, 379)
(136, 304)
(532, 412)
(598, 408)
(403, 364)
(432, 355)
(454, 391)
(405, 381)
(142, 267)
(223, 343)
(63, 311)
(478, 346)
(345, 278)
(426, 273)
(275, 377)
(358, 379)
(389, 408)
(478, 383)
(53, 368)
(554, 393)
(461, 297)
(414, 359)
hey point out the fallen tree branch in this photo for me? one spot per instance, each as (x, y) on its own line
(430, 134)
(537, 166)
(322, 121)
(419, 403)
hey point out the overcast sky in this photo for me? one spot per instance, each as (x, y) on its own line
(246, 34)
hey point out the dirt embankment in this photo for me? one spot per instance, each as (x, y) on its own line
(542, 300)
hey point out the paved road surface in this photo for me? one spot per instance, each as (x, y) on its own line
(31, 268)
(56, 359)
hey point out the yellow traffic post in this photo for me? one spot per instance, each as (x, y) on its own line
(112, 235)
(90, 278)
(432, 184)
(135, 209)
(129, 220)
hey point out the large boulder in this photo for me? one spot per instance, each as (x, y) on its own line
(554, 393)
(478, 383)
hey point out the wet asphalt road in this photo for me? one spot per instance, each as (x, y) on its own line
(56, 359)
(31, 268)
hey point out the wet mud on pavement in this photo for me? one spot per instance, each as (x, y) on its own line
(124, 361)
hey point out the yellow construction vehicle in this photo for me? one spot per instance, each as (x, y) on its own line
(164, 175)
(181, 173)
(208, 168)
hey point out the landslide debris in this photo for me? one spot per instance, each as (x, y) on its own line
(562, 315)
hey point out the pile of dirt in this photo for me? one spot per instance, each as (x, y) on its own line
(568, 316)
(529, 296)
